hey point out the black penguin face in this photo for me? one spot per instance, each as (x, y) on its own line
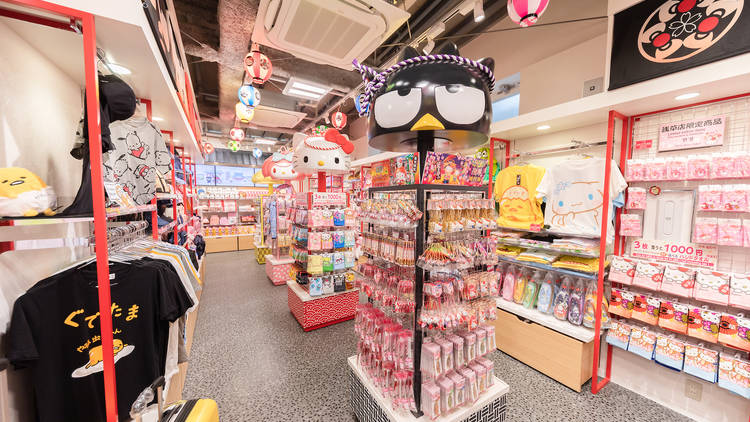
(451, 100)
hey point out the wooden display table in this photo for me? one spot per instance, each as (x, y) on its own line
(313, 312)
(558, 349)
(221, 243)
(370, 406)
(277, 269)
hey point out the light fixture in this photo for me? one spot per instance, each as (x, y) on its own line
(429, 46)
(306, 89)
(264, 141)
(687, 96)
(543, 127)
(157, 119)
(119, 69)
(478, 11)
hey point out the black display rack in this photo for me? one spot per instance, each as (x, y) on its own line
(422, 194)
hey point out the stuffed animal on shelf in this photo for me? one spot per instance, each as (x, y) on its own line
(24, 194)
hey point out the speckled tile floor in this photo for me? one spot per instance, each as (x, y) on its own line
(251, 356)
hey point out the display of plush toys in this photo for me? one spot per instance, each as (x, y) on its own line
(24, 194)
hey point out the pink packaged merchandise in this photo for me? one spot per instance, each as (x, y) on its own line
(729, 232)
(677, 168)
(636, 199)
(722, 165)
(705, 230)
(648, 275)
(635, 170)
(622, 270)
(630, 225)
(734, 198)
(699, 167)
(431, 400)
(447, 395)
(739, 291)
(745, 232)
(742, 164)
(656, 169)
(678, 280)
(712, 286)
(709, 197)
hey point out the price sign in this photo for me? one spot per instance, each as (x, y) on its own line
(704, 256)
(329, 198)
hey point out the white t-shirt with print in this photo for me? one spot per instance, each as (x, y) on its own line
(573, 191)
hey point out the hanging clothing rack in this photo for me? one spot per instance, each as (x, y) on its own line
(574, 145)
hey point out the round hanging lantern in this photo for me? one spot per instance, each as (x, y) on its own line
(257, 153)
(234, 146)
(237, 134)
(244, 113)
(249, 95)
(319, 130)
(338, 120)
(526, 12)
(208, 148)
(258, 66)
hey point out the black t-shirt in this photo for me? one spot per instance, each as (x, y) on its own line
(55, 331)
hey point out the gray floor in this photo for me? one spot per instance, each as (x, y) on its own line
(251, 356)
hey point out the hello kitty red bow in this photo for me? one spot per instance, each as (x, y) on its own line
(333, 135)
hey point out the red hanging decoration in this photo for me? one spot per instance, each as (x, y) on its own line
(237, 134)
(338, 120)
(208, 148)
(257, 65)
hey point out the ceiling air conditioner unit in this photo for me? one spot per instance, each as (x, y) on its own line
(333, 32)
(276, 117)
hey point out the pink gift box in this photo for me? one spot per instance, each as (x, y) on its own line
(712, 286)
(678, 281)
(739, 291)
(648, 275)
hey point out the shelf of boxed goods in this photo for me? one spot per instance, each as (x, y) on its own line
(364, 394)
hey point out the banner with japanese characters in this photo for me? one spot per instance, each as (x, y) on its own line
(697, 133)
(704, 256)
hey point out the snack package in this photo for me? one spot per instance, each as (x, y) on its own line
(734, 374)
(739, 291)
(619, 334)
(642, 342)
(729, 231)
(622, 270)
(673, 316)
(704, 324)
(636, 199)
(648, 275)
(712, 286)
(734, 331)
(678, 280)
(701, 362)
(621, 303)
(646, 309)
(669, 352)
(706, 230)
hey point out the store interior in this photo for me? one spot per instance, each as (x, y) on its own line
(371, 210)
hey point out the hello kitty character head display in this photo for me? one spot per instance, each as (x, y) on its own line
(279, 166)
(328, 152)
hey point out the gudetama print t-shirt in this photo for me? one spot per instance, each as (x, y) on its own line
(515, 191)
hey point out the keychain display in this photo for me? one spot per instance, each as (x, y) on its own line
(457, 213)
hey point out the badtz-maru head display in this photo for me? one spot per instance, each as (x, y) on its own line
(328, 152)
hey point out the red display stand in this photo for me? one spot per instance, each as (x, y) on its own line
(277, 269)
(313, 312)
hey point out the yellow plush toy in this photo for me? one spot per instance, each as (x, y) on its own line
(23, 193)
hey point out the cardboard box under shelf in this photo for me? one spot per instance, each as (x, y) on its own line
(221, 244)
(560, 357)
